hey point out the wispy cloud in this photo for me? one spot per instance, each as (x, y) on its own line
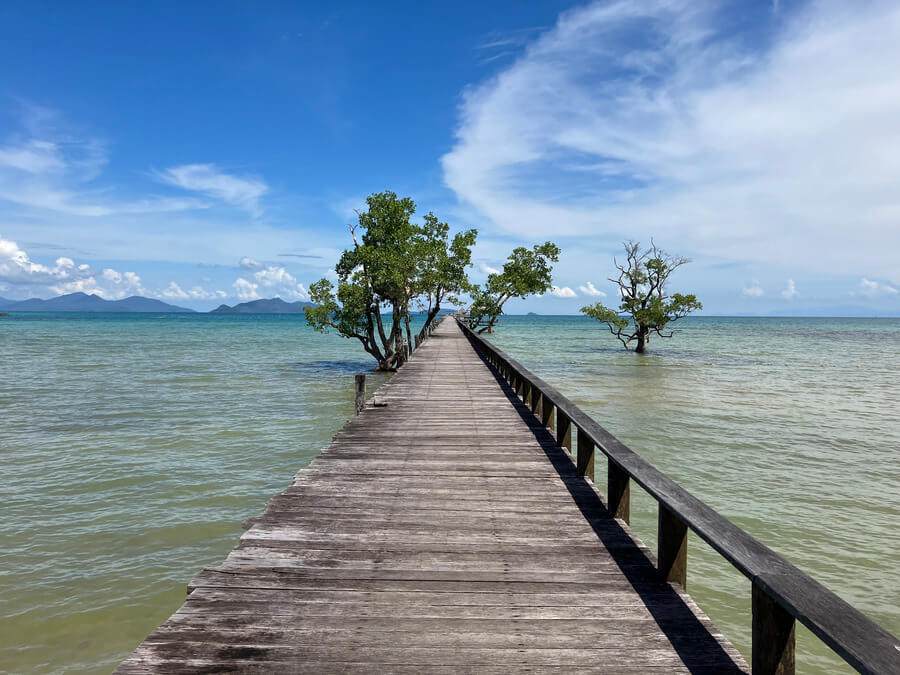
(502, 43)
(871, 289)
(658, 115)
(45, 167)
(33, 156)
(208, 179)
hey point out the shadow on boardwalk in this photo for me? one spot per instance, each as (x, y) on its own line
(673, 610)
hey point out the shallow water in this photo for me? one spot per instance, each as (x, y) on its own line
(135, 445)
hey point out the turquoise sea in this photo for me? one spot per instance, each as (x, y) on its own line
(134, 445)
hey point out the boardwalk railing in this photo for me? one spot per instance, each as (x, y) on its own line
(781, 592)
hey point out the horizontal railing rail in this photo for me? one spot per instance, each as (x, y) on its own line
(781, 592)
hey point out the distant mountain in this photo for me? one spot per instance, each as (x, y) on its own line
(82, 302)
(4, 302)
(264, 306)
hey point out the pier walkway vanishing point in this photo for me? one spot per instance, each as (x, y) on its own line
(443, 532)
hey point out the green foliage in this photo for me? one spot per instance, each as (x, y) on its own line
(441, 275)
(525, 272)
(393, 263)
(642, 285)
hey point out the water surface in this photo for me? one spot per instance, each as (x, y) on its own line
(135, 445)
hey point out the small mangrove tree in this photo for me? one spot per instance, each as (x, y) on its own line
(646, 307)
(525, 272)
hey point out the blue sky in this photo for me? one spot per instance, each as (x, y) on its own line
(214, 152)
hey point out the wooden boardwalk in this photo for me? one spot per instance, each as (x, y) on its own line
(443, 533)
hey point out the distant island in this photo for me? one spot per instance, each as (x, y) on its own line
(264, 306)
(82, 302)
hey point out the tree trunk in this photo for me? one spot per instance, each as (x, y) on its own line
(433, 312)
(641, 341)
(409, 340)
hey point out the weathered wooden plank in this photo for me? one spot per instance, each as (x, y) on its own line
(599, 657)
(353, 580)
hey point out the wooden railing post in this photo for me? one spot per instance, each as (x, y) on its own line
(547, 409)
(360, 392)
(618, 488)
(773, 636)
(537, 401)
(672, 537)
(563, 430)
(585, 456)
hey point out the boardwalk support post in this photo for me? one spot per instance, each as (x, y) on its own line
(618, 488)
(773, 636)
(360, 392)
(673, 540)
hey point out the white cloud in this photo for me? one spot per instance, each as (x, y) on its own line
(487, 269)
(16, 267)
(653, 114)
(241, 191)
(274, 280)
(30, 278)
(872, 289)
(245, 290)
(754, 290)
(790, 291)
(174, 292)
(564, 292)
(588, 288)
